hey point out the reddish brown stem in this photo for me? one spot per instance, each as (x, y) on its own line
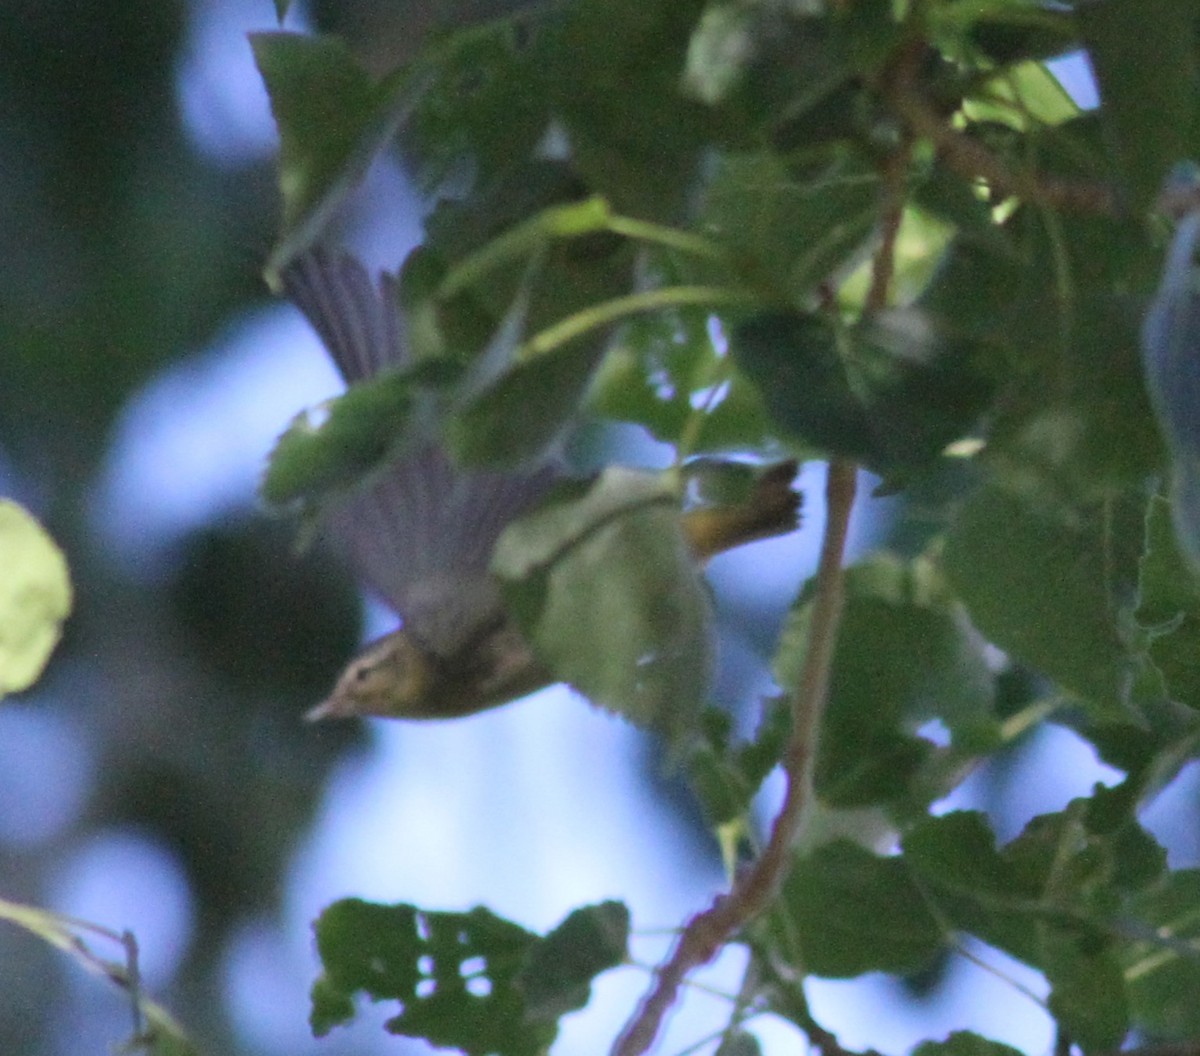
(972, 160)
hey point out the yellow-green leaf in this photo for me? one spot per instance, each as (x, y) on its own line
(35, 597)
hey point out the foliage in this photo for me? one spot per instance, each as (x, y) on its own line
(35, 598)
(471, 981)
(870, 232)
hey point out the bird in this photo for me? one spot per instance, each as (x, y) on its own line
(420, 532)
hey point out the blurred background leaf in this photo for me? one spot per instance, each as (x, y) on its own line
(35, 598)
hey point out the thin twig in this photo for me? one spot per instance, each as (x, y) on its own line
(705, 934)
(883, 264)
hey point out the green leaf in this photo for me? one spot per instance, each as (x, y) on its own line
(1048, 897)
(471, 981)
(791, 231)
(782, 77)
(736, 1042)
(1144, 56)
(1076, 425)
(347, 437)
(795, 362)
(496, 428)
(853, 912)
(485, 105)
(892, 393)
(522, 259)
(332, 122)
(557, 977)
(948, 197)
(726, 777)
(1043, 590)
(35, 597)
(1163, 968)
(604, 585)
(964, 1043)
(1024, 97)
(976, 888)
(455, 975)
(1050, 317)
(905, 654)
(1168, 609)
(668, 371)
(1087, 989)
(604, 53)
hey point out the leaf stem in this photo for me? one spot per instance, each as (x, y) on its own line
(600, 315)
(667, 237)
(589, 217)
(559, 221)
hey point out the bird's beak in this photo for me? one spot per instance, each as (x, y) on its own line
(328, 709)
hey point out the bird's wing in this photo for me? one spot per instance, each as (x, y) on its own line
(422, 535)
(422, 530)
(358, 321)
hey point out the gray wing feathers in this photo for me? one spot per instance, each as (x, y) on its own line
(359, 323)
(421, 531)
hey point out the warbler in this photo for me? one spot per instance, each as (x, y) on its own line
(421, 531)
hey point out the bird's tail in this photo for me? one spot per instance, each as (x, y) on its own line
(772, 508)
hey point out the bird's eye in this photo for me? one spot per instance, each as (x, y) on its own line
(361, 672)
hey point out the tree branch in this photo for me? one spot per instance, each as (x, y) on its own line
(705, 934)
(972, 160)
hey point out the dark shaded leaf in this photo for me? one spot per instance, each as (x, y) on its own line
(1087, 988)
(1163, 968)
(726, 777)
(1144, 54)
(853, 912)
(978, 889)
(892, 393)
(1048, 897)
(1044, 591)
(964, 1043)
(603, 53)
(332, 121)
(1076, 424)
(1168, 608)
(791, 231)
(557, 977)
(1005, 37)
(485, 106)
(905, 654)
